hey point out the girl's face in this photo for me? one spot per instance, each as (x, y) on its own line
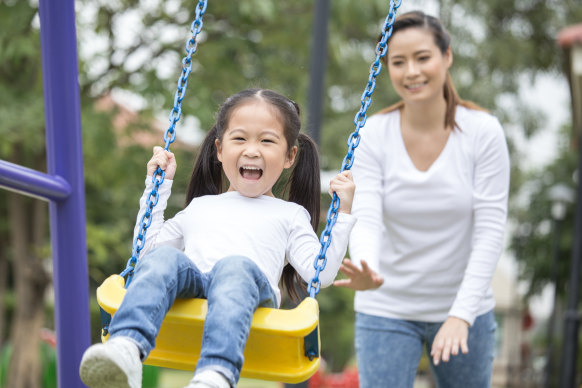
(417, 67)
(253, 149)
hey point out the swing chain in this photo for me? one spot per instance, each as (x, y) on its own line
(354, 140)
(169, 137)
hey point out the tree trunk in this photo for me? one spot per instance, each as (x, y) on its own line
(30, 280)
(3, 288)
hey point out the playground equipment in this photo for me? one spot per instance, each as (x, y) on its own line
(283, 345)
(63, 187)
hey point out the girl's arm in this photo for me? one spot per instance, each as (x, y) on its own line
(304, 246)
(159, 232)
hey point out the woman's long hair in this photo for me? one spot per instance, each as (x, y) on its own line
(418, 19)
(303, 186)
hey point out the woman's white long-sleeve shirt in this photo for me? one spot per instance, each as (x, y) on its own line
(270, 231)
(434, 236)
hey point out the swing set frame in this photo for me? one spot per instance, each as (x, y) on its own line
(63, 187)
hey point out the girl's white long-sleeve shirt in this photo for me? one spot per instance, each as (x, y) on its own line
(435, 236)
(270, 231)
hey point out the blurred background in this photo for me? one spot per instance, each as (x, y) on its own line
(508, 58)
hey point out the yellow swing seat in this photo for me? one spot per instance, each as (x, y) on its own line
(276, 348)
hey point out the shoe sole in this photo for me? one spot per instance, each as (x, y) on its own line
(98, 371)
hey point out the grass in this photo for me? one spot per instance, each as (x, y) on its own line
(170, 378)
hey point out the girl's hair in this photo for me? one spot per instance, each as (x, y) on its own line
(303, 185)
(442, 39)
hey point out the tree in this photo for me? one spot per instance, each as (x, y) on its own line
(20, 71)
(137, 46)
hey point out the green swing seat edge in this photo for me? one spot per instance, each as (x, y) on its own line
(275, 350)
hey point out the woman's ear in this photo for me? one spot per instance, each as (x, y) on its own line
(218, 150)
(290, 157)
(449, 57)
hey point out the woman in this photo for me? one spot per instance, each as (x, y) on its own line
(432, 178)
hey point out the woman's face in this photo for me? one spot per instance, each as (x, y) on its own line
(417, 67)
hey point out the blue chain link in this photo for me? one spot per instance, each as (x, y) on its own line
(169, 137)
(354, 140)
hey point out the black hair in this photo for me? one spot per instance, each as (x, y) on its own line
(303, 186)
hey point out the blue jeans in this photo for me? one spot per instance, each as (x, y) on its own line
(389, 350)
(235, 287)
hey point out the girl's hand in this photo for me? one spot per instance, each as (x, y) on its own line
(451, 336)
(165, 160)
(359, 279)
(344, 187)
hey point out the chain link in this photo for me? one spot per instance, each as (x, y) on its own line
(354, 140)
(169, 137)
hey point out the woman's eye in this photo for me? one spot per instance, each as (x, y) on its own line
(424, 58)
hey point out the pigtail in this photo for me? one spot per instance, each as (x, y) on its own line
(206, 177)
(305, 190)
(304, 182)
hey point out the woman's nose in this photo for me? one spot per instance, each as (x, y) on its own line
(411, 68)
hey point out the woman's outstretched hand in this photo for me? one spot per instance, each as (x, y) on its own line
(165, 160)
(451, 337)
(359, 279)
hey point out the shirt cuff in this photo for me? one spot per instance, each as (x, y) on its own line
(462, 314)
(166, 185)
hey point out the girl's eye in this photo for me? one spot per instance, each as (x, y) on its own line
(238, 138)
(397, 63)
(424, 58)
(268, 141)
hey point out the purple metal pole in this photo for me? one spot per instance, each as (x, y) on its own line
(65, 159)
(33, 183)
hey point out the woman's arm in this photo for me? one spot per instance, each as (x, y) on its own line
(490, 194)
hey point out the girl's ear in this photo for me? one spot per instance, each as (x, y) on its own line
(290, 157)
(218, 150)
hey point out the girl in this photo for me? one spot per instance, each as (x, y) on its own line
(432, 185)
(228, 247)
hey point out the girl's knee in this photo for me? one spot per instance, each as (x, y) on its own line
(235, 265)
(161, 259)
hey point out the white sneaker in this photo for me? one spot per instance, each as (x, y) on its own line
(208, 379)
(114, 364)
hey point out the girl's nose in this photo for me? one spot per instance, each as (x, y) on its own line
(251, 150)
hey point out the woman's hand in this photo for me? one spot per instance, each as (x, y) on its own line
(451, 336)
(359, 279)
(343, 185)
(165, 160)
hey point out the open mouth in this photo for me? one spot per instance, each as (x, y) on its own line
(249, 172)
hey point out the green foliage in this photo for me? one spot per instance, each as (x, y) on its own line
(533, 239)
(137, 46)
(21, 104)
